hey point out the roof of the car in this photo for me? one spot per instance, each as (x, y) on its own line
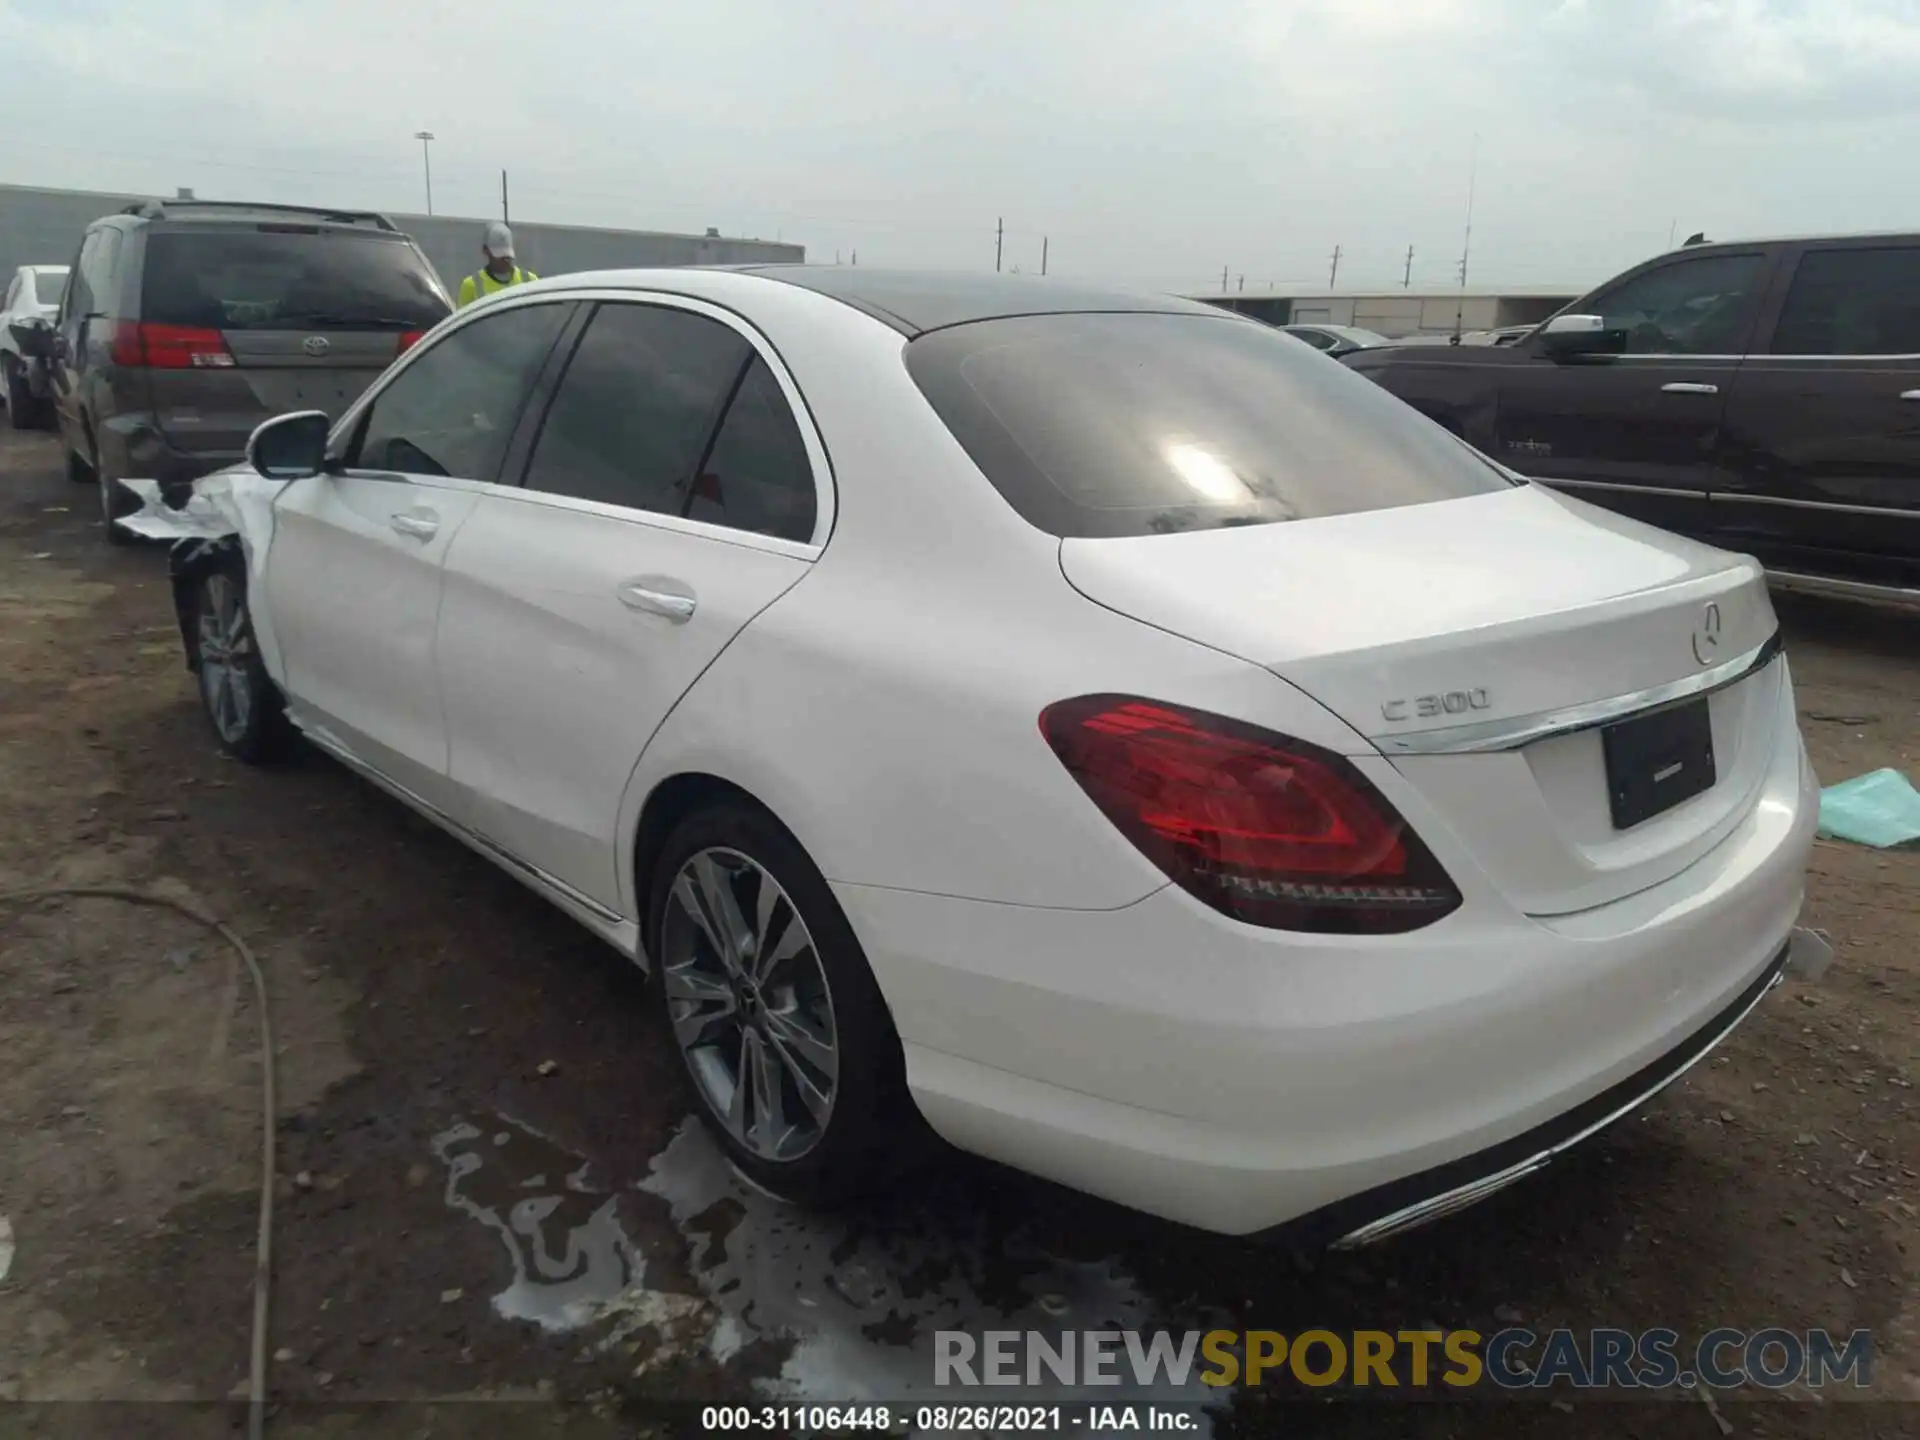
(916, 301)
(1904, 237)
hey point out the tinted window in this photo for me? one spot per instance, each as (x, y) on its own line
(636, 407)
(452, 411)
(1853, 302)
(288, 277)
(79, 297)
(758, 476)
(1318, 339)
(1690, 307)
(1141, 424)
(49, 286)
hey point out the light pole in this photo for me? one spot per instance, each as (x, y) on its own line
(425, 137)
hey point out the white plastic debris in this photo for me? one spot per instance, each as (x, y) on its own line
(201, 518)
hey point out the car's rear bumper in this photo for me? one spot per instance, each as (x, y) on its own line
(1238, 1079)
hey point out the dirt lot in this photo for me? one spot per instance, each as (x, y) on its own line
(487, 1188)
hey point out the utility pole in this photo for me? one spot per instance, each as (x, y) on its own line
(1406, 280)
(856, 258)
(999, 241)
(1043, 254)
(1672, 226)
(505, 216)
(1243, 283)
(1336, 267)
(1223, 279)
(1466, 245)
(425, 137)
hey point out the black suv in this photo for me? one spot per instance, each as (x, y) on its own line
(1763, 396)
(187, 323)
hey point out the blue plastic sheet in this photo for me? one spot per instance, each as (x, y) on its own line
(1880, 808)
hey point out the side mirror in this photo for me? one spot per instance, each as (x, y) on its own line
(290, 447)
(34, 337)
(1573, 335)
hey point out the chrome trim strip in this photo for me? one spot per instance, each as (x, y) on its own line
(1619, 486)
(446, 822)
(1461, 1196)
(1493, 735)
(1738, 497)
(1796, 583)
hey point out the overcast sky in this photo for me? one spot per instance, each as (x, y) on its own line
(1154, 143)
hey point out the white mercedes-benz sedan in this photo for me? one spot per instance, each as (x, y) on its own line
(1093, 727)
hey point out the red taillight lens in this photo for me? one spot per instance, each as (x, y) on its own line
(170, 347)
(408, 339)
(1267, 829)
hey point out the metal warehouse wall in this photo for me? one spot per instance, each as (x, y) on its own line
(43, 227)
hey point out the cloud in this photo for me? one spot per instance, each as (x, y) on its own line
(1148, 143)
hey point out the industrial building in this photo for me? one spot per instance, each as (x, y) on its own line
(43, 227)
(1399, 313)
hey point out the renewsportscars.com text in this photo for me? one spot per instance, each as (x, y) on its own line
(1511, 1359)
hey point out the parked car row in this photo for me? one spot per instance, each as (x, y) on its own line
(1088, 725)
(1763, 396)
(184, 324)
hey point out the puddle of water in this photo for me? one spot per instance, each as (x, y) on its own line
(857, 1299)
(562, 1232)
(861, 1296)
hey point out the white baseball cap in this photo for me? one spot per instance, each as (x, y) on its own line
(499, 240)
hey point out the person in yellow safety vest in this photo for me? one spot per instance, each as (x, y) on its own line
(499, 272)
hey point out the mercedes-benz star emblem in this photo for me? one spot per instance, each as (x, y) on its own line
(315, 345)
(1706, 636)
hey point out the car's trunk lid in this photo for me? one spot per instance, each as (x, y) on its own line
(1414, 624)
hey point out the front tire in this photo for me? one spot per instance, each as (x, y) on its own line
(239, 698)
(774, 1011)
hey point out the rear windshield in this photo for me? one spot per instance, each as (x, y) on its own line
(1102, 425)
(49, 286)
(288, 277)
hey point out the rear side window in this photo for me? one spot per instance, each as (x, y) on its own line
(637, 406)
(1105, 425)
(49, 286)
(453, 410)
(1853, 302)
(757, 476)
(287, 277)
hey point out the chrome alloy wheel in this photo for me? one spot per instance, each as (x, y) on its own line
(226, 647)
(750, 1004)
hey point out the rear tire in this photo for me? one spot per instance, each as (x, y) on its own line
(24, 412)
(237, 695)
(790, 1013)
(116, 501)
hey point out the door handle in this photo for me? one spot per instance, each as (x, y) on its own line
(421, 525)
(658, 597)
(1688, 387)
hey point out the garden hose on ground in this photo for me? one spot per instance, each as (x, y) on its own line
(263, 1254)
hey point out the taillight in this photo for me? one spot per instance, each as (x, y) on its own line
(170, 347)
(1264, 828)
(408, 339)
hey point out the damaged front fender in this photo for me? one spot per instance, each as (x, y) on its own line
(227, 521)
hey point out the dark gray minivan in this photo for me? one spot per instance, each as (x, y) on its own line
(187, 323)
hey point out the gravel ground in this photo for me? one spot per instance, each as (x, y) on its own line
(488, 1188)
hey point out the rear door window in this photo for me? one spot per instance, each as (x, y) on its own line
(637, 407)
(1108, 424)
(288, 277)
(1852, 302)
(453, 409)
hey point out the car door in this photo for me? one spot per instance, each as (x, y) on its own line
(1637, 428)
(76, 317)
(353, 578)
(1821, 456)
(672, 494)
